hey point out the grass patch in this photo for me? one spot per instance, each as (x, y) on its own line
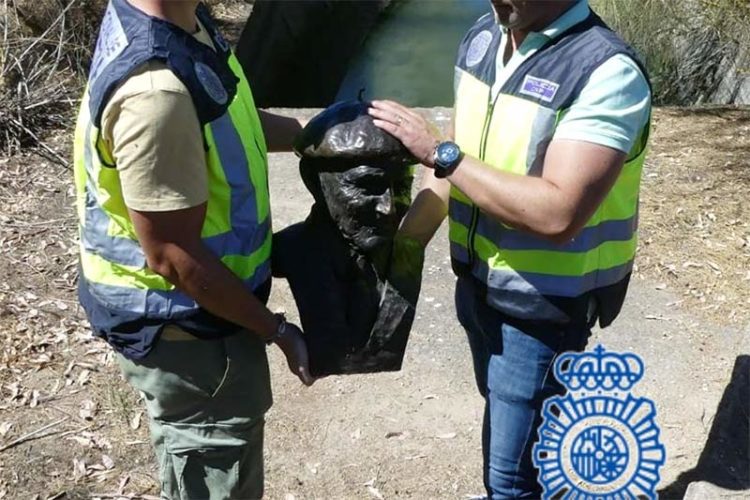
(686, 45)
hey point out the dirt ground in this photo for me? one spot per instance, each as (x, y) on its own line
(694, 227)
(412, 434)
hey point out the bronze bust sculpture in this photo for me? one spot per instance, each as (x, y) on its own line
(355, 283)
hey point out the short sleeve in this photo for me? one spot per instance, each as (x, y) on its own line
(612, 109)
(157, 145)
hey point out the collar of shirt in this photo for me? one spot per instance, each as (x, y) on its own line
(534, 41)
(202, 35)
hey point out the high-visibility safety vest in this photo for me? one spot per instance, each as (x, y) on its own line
(525, 276)
(237, 227)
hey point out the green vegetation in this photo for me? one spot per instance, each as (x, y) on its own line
(687, 45)
(45, 47)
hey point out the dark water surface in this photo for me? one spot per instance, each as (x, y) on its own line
(410, 55)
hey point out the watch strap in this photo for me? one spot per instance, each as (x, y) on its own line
(280, 329)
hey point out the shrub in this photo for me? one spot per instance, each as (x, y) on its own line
(686, 45)
(44, 57)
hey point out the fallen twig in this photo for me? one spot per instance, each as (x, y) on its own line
(52, 25)
(33, 435)
(55, 156)
(80, 429)
(120, 495)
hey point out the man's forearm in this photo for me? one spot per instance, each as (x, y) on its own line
(428, 210)
(532, 204)
(280, 131)
(577, 177)
(201, 275)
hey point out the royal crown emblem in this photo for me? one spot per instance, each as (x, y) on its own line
(599, 441)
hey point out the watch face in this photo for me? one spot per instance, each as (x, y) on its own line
(448, 153)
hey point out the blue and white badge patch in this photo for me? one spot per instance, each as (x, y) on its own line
(111, 43)
(211, 83)
(478, 48)
(539, 88)
(599, 442)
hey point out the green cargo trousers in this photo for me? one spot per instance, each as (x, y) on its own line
(206, 400)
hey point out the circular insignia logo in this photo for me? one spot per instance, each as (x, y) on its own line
(211, 83)
(478, 48)
(599, 454)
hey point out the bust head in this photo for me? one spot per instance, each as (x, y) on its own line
(360, 174)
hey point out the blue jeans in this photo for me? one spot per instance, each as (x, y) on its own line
(513, 367)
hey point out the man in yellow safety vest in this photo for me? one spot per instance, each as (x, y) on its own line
(175, 239)
(540, 182)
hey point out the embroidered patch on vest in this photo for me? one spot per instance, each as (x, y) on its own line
(539, 88)
(478, 48)
(211, 83)
(111, 43)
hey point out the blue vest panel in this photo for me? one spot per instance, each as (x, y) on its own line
(129, 38)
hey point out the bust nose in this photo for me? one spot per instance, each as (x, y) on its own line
(385, 203)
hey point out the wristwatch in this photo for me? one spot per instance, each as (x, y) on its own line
(446, 158)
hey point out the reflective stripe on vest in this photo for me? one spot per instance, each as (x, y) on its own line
(237, 227)
(512, 134)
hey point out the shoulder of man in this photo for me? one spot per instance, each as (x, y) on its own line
(482, 28)
(152, 77)
(609, 40)
(613, 108)
(152, 131)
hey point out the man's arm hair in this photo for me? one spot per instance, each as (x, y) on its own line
(577, 177)
(174, 249)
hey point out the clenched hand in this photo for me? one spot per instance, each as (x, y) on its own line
(292, 344)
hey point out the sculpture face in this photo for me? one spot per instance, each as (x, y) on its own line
(367, 203)
(358, 172)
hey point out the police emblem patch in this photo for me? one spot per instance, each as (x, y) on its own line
(211, 83)
(598, 441)
(478, 48)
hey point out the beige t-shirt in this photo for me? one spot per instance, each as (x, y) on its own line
(151, 127)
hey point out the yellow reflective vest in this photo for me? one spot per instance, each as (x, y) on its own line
(525, 276)
(237, 227)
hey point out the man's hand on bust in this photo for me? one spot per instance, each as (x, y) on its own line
(416, 133)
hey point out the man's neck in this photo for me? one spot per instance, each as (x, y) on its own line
(558, 9)
(180, 13)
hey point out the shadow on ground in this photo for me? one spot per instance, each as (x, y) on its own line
(725, 461)
(729, 113)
